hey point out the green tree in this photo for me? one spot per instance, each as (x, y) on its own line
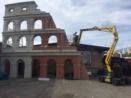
(129, 54)
(126, 54)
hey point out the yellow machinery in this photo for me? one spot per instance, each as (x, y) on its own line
(113, 76)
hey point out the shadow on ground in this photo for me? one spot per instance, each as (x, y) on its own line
(26, 88)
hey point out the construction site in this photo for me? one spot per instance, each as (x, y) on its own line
(45, 69)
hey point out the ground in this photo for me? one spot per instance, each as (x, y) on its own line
(58, 88)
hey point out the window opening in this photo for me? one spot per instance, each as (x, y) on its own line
(38, 24)
(24, 9)
(9, 42)
(11, 10)
(22, 42)
(10, 26)
(37, 41)
(23, 25)
(52, 41)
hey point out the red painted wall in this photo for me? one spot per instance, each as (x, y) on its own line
(79, 73)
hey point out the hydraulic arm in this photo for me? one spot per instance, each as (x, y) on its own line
(111, 29)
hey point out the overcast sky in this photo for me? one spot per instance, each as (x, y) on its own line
(73, 15)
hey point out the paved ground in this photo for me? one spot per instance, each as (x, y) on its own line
(32, 88)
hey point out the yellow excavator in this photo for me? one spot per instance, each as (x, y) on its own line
(115, 73)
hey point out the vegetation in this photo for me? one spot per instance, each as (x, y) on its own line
(126, 54)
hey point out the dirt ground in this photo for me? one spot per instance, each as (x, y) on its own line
(60, 88)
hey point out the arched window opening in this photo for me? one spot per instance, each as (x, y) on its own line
(52, 41)
(68, 69)
(21, 67)
(9, 42)
(23, 25)
(22, 42)
(36, 68)
(37, 41)
(10, 26)
(7, 67)
(38, 24)
(51, 70)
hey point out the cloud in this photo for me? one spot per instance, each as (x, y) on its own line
(95, 13)
(73, 15)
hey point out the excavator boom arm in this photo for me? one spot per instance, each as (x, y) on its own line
(111, 29)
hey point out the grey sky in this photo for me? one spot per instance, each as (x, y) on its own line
(73, 15)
